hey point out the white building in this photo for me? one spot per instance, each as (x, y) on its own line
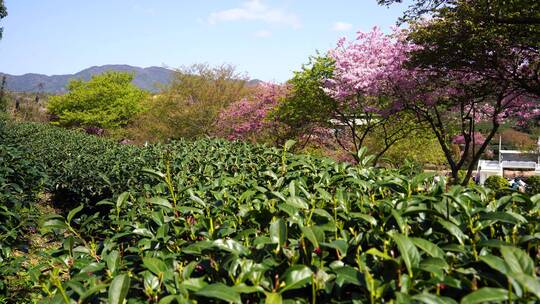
(510, 160)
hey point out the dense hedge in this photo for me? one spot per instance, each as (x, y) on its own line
(21, 181)
(20, 177)
(496, 183)
(533, 185)
(230, 222)
(81, 168)
(308, 231)
(85, 168)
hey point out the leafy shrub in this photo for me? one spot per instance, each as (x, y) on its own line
(80, 167)
(307, 105)
(233, 222)
(533, 185)
(20, 182)
(108, 100)
(298, 229)
(189, 106)
(20, 177)
(84, 168)
(499, 185)
(496, 183)
(418, 146)
(517, 140)
(411, 168)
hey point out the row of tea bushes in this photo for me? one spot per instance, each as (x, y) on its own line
(214, 221)
(307, 232)
(85, 168)
(21, 181)
(80, 167)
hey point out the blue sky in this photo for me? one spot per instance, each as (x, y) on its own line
(268, 39)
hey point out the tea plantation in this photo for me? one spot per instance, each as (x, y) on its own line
(212, 221)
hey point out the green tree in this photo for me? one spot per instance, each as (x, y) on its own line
(419, 7)
(307, 105)
(3, 14)
(420, 146)
(108, 100)
(493, 45)
(494, 39)
(523, 12)
(313, 115)
(190, 105)
(489, 52)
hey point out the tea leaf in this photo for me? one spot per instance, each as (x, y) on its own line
(119, 288)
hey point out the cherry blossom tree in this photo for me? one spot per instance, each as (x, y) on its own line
(250, 119)
(363, 70)
(375, 67)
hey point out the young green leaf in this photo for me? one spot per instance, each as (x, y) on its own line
(348, 275)
(273, 298)
(496, 263)
(231, 246)
(221, 292)
(54, 223)
(73, 212)
(531, 283)
(454, 230)
(296, 276)
(408, 251)
(429, 248)
(278, 232)
(113, 261)
(486, 295)
(308, 233)
(122, 198)
(155, 265)
(518, 261)
(399, 220)
(159, 201)
(289, 144)
(119, 288)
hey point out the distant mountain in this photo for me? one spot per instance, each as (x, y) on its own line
(254, 82)
(145, 78)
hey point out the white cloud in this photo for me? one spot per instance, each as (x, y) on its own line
(255, 10)
(263, 33)
(342, 26)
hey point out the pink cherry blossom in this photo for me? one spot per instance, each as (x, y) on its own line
(249, 117)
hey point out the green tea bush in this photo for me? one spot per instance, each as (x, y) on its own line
(533, 185)
(499, 185)
(20, 182)
(217, 221)
(80, 167)
(87, 169)
(21, 179)
(496, 183)
(303, 230)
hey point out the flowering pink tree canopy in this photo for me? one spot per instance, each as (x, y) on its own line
(249, 117)
(375, 65)
(477, 137)
(368, 66)
(373, 74)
